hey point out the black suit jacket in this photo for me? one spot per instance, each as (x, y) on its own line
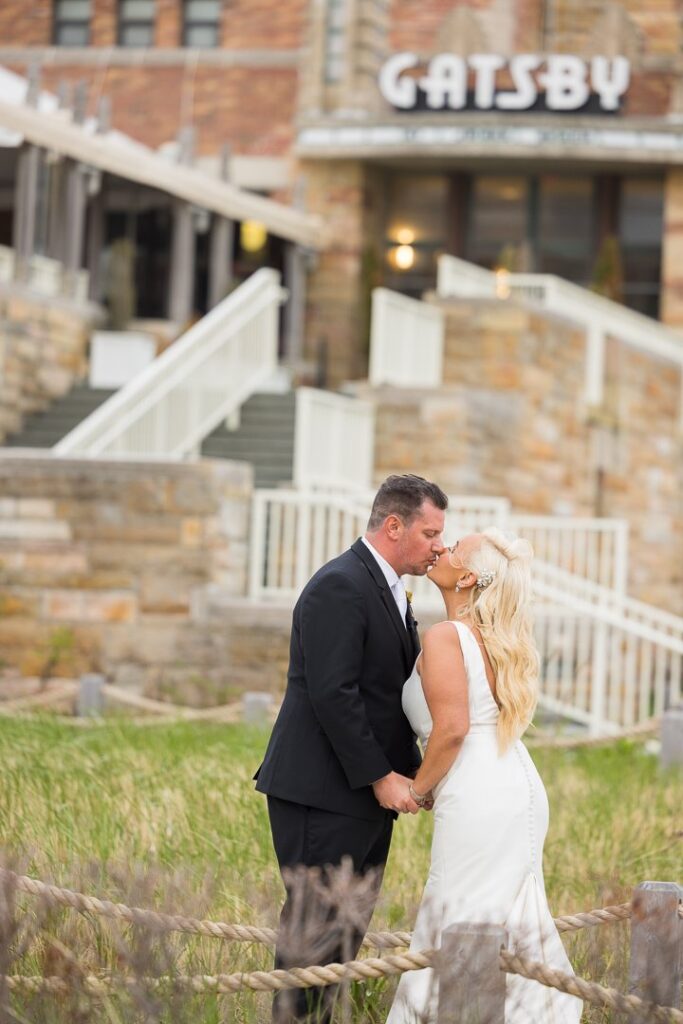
(341, 725)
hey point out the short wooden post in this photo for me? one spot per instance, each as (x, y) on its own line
(656, 944)
(471, 983)
(90, 700)
(256, 707)
(672, 737)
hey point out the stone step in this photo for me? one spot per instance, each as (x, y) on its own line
(44, 429)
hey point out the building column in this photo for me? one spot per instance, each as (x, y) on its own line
(295, 308)
(74, 227)
(671, 295)
(95, 241)
(220, 258)
(25, 204)
(221, 245)
(181, 284)
(56, 207)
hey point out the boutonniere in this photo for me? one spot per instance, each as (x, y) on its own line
(409, 595)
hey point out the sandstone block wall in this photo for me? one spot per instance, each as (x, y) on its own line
(510, 420)
(43, 348)
(110, 566)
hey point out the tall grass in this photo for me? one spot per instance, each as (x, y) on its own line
(168, 817)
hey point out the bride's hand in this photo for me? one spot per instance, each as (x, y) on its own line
(428, 805)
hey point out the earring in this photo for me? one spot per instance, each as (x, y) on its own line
(457, 587)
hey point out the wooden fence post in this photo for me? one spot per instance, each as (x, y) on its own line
(471, 983)
(256, 708)
(656, 944)
(90, 700)
(672, 737)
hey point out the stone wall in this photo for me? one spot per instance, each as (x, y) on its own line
(510, 420)
(347, 195)
(113, 567)
(43, 345)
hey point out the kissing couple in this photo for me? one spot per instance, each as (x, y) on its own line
(343, 759)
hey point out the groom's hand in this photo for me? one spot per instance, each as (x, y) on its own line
(391, 792)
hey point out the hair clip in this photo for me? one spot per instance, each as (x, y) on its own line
(486, 578)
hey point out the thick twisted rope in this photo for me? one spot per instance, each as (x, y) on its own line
(651, 725)
(250, 933)
(355, 970)
(589, 991)
(43, 698)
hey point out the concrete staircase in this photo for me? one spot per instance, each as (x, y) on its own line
(45, 429)
(265, 436)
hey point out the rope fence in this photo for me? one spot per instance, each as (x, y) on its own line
(354, 970)
(157, 921)
(160, 712)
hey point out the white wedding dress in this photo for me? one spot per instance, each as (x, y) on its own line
(490, 822)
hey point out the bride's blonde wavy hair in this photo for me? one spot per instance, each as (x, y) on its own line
(502, 611)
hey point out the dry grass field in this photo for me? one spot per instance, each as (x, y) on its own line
(167, 817)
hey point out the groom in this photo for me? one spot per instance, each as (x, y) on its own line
(342, 753)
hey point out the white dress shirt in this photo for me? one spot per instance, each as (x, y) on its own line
(393, 579)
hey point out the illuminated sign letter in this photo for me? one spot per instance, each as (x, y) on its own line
(445, 82)
(400, 92)
(525, 87)
(610, 87)
(565, 82)
(485, 66)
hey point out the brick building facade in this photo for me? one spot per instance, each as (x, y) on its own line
(303, 94)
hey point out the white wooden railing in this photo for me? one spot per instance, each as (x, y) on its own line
(590, 548)
(314, 527)
(606, 660)
(334, 441)
(44, 275)
(195, 384)
(295, 532)
(406, 341)
(600, 317)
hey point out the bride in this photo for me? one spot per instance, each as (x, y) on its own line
(470, 697)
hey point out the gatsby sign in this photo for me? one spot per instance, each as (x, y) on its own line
(565, 81)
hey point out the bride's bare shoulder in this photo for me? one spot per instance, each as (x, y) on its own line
(441, 635)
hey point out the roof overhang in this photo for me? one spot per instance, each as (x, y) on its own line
(116, 154)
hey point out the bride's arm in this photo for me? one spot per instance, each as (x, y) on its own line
(444, 681)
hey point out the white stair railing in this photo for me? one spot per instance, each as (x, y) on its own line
(590, 548)
(600, 317)
(606, 660)
(406, 341)
(169, 408)
(295, 532)
(334, 441)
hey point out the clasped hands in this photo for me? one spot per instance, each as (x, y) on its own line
(392, 793)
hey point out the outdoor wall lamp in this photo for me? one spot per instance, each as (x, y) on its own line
(253, 235)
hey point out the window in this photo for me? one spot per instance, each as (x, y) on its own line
(335, 42)
(202, 23)
(566, 221)
(136, 23)
(640, 237)
(498, 219)
(72, 22)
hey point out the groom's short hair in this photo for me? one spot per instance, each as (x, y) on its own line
(404, 496)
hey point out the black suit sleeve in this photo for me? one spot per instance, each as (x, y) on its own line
(332, 637)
